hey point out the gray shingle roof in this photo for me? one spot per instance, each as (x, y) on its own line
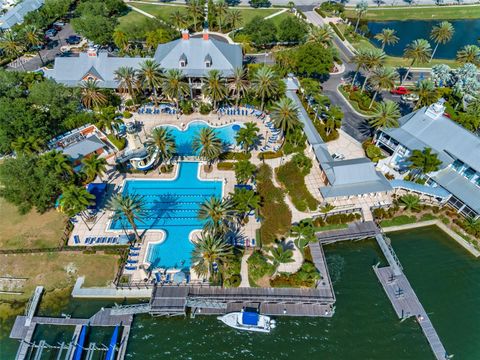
(460, 187)
(18, 12)
(84, 147)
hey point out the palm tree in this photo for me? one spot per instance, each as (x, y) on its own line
(441, 34)
(178, 19)
(387, 37)
(11, 45)
(244, 171)
(194, 11)
(361, 9)
(419, 52)
(59, 162)
(120, 39)
(162, 139)
(207, 144)
(427, 93)
(215, 87)
(325, 209)
(75, 199)
(385, 115)
(209, 250)
(285, 115)
(234, 17)
(424, 161)
(238, 84)
(469, 54)
(29, 145)
(360, 60)
(108, 118)
(382, 78)
(264, 83)
(174, 86)
(247, 136)
(320, 34)
(92, 97)
(33, 37)
(374, 59)
(94, 166)
(126, 76)
(410, 201)
(472, 226)
(218, 214)
(304, 233)
(131, 207)
(280, 255)
(150, 77)
(245, 200)
(221, 9)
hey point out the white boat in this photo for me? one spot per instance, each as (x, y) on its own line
(248, 320)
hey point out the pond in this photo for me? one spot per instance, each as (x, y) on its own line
(467, 32)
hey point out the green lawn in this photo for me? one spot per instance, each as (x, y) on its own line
(420, 13)
(399, 220)
(132, 17)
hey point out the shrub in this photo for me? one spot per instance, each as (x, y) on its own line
(205, 108)
(426, 217)
(225, 165)
(337, 31)
(321, 13)
(258, 266)
(230, 155)
(129, 103)
(186, 107)
(306, 276)
(270, 155)
(127, 114)
(119, 143)
(374, 153)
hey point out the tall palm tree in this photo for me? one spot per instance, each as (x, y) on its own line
(207, 144)
(441, 34)
(387, 37)
(469, 54)
(208, 250)
(218, 214)
(150, 77)
(385, 115)
(221, 9)
(419, 52)
(178, 19)
(215, 87)
(162, 139)
(375, 58)
(245, 200)
(244, 171)
(238, 85)
(303, 233)
(360, 59)
(320, 34)
(108, 118)
(382, 78)
(92, 96)
(12, 45)
(29, 145)
(472, 226)
(247, 136)
(361, 9)
(174, 86)
(234, 18)
(33, 37)
(264, 83)
(126, 76)
(120, 39)
(94, 166)
(424, 161)
(280, 255)
(195, 11)
(75, 199)
(60, 163)
(410, 201)
(427, 93)
(131, 207)
(285, 115)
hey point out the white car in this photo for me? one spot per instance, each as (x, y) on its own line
(410, 97)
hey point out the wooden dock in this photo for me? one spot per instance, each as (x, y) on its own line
(355, 231)
(406, 304)
(324, 285)
(122, 350)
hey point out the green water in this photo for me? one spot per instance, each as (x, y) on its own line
(446, 278)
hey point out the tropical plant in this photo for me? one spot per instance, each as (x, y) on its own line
(427, 93)
(424, 161)
(375, 59)
(33, 37)
(325, 209)
(12, 45)
(361, 9)
(131, 207)
(264, 83)
(247, 136)
(174, 86)
(385, 115)
(382, 78)
(218, 214)
(210, 249)
(285, 115)
(92, 96)
(387, 37)
(360, 60)
(441, 74)
(59, 162)
(215, 87)
(303, 233)
(238, 85)
(472, 226)
(221, 9)
(320, 34)
(244, 171)
(120, 39)
(150, 77)
(469, 54)
(419, 52)
(178, 19)
(94, 166)
(75, 199)
(29, 145)
(126, 77)
(207, 144)
(441, 34)
(234, 18)
(246, 200)
(162, 140)
(195, 11)
(410, 201)
(280, 255)
(108, 118)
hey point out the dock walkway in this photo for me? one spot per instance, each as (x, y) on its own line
(355, 231)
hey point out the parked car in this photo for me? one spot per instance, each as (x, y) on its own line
(51, 33)
(73, 40)
(401, 90)
(410, 97)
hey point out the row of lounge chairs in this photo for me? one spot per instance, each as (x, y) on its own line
(132, 259)
(95, 240)
(155, 111)
(245, 242)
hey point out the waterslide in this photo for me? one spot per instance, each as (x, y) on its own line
(136, 162)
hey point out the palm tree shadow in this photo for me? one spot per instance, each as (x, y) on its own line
(365, 128)
(165, 207)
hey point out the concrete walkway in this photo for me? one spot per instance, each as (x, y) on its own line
(244, 269)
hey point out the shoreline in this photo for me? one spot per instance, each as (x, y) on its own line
(465, 244)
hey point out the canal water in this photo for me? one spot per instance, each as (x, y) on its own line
(467, 32)
(446, 278)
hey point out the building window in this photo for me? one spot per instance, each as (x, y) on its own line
(182, 64)
(208, 64)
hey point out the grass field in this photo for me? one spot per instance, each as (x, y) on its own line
(32, 230)
(420, 13)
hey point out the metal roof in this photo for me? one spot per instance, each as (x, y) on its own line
(16, 14)
(460, 187)
(424, 189)
(84, 147)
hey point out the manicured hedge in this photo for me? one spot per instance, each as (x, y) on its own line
(225, 165)
(321, 13)
(270, 155)
(337, 31)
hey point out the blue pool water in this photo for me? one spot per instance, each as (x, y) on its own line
(172, 206)
(183, 139)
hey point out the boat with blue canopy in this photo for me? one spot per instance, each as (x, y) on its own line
(248, 320)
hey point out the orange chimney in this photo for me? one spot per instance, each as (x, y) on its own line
(185, 35)
(205, 34)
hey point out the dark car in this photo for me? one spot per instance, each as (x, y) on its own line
(73, 39)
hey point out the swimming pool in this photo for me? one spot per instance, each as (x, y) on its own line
(184, 138)
(172, 206)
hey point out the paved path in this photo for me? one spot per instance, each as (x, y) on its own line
(244, 269)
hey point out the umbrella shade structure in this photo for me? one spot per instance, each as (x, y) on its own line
(179, 277)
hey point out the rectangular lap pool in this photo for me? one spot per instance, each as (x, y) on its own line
(172, 206)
